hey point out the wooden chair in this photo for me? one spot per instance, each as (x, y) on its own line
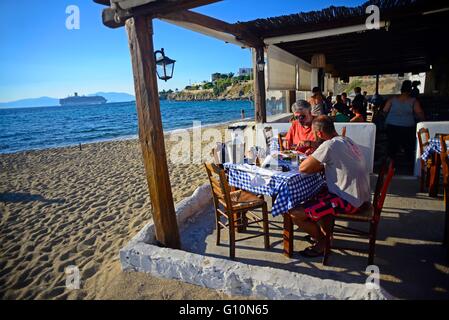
(343, 132)
(281, 139)
(370, 215)
(235, 207)
(445, 166)
(423, 141)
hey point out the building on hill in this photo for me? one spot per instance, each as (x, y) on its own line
(245, 72)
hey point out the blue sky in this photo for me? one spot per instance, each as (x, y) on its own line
(40, 57)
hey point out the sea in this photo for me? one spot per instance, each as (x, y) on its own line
(37, 128)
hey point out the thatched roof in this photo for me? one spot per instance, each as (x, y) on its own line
(411, 44)
(333, 16)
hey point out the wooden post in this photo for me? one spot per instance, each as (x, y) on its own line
(140, 37)
(291, 99)
(377, 84)
(259, 87)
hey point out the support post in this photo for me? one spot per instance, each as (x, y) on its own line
(291, 99)
(259, 86)
(140, 37)
(377, 84)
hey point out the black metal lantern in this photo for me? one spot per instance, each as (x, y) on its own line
(164, 65)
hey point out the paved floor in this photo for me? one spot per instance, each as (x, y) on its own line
(409, 254)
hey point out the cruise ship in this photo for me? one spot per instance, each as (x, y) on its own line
(77, 100)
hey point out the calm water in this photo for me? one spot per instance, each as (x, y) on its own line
(48, 127)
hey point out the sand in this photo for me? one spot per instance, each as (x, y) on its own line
(66, 206)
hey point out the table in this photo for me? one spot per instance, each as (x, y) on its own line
(289, 189)
(432, 151)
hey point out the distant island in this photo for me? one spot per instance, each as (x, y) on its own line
(111, 97)
(223, 86)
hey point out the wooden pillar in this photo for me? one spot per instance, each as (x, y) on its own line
(377, 84)
(259, 86)
(291, 99)
(140, 37)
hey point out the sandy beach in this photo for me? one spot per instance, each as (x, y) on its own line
(66, 206)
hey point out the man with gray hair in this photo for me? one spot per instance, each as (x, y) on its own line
(300, 133)
(347, 188)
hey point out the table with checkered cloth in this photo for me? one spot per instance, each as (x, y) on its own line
(290, 188)
(433, 146)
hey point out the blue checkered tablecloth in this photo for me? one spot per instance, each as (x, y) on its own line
(433, 146)
(290, 188)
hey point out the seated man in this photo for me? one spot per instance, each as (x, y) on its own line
(300, 133)
(348, 187)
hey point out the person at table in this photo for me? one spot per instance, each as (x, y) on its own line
(317, 102)
(300, 133)
(361, 101)
(328, 102)
(402, 111)
(345, 99)
(339, 112)
(357, 110)
(348, 187)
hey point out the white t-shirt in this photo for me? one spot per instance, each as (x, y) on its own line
(345, 168)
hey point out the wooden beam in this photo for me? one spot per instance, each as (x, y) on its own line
(318, 34)
(291, 99)
(239, 32)
(140, 36)
(116, 17)
(259, 86)
(103, 2)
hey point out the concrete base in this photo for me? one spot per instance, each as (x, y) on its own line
(231, 277)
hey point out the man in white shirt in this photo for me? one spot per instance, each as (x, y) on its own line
(347, 179)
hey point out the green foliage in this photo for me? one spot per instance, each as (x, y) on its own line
(208, 85)
(353, 84)
(221, 84)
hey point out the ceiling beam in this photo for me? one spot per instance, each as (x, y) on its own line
(115, 17)
(103, 2)
(319, 34)
(211, 26)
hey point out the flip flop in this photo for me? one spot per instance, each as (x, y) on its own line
(309, 239)
(311, 252)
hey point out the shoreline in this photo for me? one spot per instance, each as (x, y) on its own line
(123, 138)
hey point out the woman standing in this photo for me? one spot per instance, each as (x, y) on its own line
(400, 121)
(317, 102)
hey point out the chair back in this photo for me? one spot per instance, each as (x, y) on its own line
(444, 155)
(219, 184)
(423, 139)
(383, 181)
(281, 139)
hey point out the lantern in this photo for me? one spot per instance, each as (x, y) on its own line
(164, 65)
(319, 60)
